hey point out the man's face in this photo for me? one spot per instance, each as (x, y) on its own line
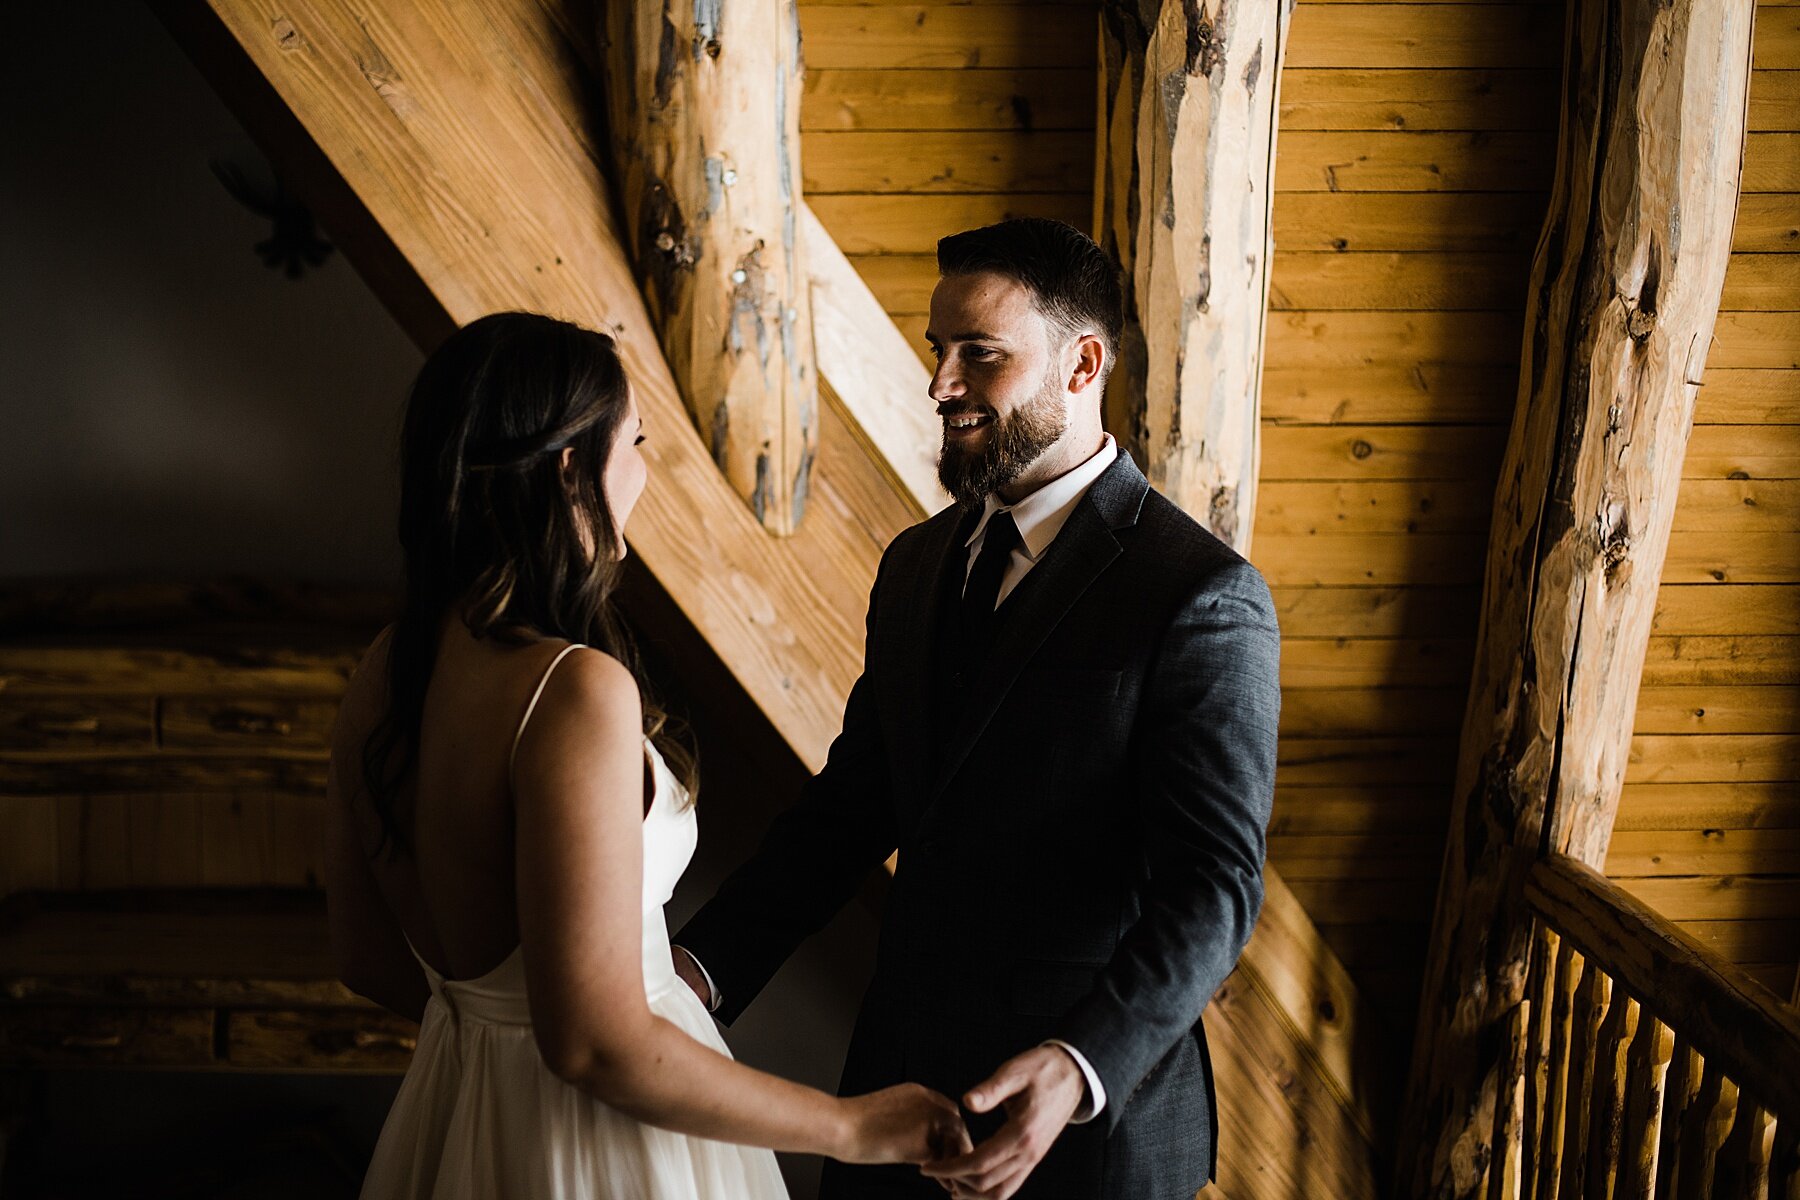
(998, 385)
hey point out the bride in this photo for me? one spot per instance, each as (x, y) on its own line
(506, 825)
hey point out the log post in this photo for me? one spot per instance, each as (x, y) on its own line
(704, 107)
(1184, 161)
(1625, 288)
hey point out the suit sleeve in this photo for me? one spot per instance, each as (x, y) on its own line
(1204, 770)
(810, 863)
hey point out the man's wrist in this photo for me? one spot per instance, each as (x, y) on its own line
(1093, 1092)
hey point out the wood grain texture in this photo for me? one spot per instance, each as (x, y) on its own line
(1024, 99)
(871, 371)
(1619, 320)
(1184, 150)
(1743, 1033)
(470, 184)
(703, 107)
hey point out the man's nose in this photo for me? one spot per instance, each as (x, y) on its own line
(944, 383)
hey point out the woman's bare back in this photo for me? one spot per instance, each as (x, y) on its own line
(454, 893)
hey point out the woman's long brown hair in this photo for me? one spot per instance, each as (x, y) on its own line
(491, 523)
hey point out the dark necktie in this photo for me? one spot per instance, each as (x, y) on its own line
(983, 589)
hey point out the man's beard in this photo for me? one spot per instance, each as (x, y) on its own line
(1013, 442)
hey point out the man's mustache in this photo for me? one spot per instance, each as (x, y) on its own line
(947, 410)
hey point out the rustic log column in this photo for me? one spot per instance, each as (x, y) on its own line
(1624, 291)
(1184, 162)
(704, 105)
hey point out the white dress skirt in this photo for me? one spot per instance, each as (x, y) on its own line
(479, 1116)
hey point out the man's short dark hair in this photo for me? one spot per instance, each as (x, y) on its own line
(1070, 278)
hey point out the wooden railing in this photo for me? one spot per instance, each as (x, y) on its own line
(1642, 1065)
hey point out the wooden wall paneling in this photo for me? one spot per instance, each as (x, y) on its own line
(1023, 99)
(948, 163)
(1722, 736)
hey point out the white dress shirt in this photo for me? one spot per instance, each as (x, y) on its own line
(1040, 517)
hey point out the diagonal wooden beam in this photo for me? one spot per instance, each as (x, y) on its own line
(446, 147)
(1625, 290)
(871, 370)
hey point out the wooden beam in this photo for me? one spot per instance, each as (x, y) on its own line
(704, 106)
(1624, 294)
(871, 369)
(446, 148)
(1184, 153)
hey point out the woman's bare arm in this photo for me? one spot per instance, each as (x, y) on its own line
(578, 788)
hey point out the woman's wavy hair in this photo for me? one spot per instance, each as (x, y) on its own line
(491, 525)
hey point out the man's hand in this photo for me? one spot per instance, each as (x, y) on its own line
(690, 974)
(1040, 1090)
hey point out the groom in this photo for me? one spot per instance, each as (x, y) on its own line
(1066, 725)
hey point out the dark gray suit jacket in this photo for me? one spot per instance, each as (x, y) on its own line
(1081, 859)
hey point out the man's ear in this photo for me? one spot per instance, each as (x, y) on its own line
(1090, 362)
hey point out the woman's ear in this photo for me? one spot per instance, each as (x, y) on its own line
(568, 456)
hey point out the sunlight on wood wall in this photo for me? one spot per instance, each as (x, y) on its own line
(1709, 828)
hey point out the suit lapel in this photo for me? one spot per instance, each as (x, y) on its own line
(940, 552)
(1085, 548)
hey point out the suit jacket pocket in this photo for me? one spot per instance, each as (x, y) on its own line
(1041, 988)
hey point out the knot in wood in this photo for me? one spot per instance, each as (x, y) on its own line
(1639, 324)
(286, 36)
(1614, 553)
(1360, 449)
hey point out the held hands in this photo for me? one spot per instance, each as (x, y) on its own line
(909, 1123)
(1040, 1090)
(904, 1124)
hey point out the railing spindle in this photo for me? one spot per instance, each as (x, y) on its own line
(1556, 1083)
(1684, 1088)
(1742, 1172)
(1590, 1011)
(1784, 1167)
(1509, 1110)
(1540, 988)
(1646, 1075)
(1703, 1130)
(1606, 1121)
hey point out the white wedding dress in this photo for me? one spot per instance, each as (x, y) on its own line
(479, 1115)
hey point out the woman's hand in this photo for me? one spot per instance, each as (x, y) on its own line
(908, 1123)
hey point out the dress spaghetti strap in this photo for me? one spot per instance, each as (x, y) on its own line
(532, 706)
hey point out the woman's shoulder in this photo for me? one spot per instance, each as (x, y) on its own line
(591, 681)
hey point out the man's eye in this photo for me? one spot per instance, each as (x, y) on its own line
(980, 353)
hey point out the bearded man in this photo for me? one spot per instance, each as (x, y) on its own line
(1066, 726)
